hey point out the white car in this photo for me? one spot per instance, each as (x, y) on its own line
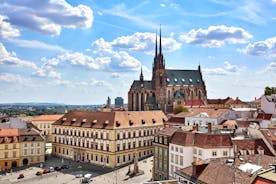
(88, 176)
(51, 169)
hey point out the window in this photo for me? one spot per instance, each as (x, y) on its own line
(38, 144)
(165, 140)
(118, 147)
(118, 159)
(172, 148)
(6, 164)
(107, 160)
(225, 153)
(14, 146)
(14, 154)
(38, 159)
(155, 139)
(32, 144)
(118, 136)
(107, 147)
(6, 147)
(38, 151)
(195, 151)
(200, 152)
(6, 154)
(32, 151)
(181, 160)
(25, 145)
(214, 153)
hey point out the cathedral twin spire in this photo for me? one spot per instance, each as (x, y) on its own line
(160, 44)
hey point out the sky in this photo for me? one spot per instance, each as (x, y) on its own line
(81, 52)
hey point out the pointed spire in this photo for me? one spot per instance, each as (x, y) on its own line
(141, 75)
(156, 44)
(160, 44)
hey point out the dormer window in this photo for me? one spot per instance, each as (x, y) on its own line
(153, 121)
(198, 81)
(143, 122)
(94, 121)
(14, 138)
(175, 79)
(6, 139)
(64, 119)
(183, 80)
(168, 80)
(74, 119)
(130, 123)
(106, 122)
(191, 80)
(84, 120)
(117, 124)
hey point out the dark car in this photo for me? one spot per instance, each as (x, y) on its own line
(57, 168)
(38, 173)
(45, 171)
(20, 176)
(65, 167)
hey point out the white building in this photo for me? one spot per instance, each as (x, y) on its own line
(203, 116)
(268, 104)
(187, 147)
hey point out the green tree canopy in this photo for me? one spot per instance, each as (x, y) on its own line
(180, 108)
(270, 90)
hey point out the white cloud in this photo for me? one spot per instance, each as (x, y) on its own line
(66, 83)
(115, 75)
(216, 36)
(16, 79)
(162, 5)
(144, 42)
(46, 69)
(6, 29)
(10, 58)
(47, 17)
(227, 69)
(100, 83)
(262, 48)
(35, 44)
(271, 67)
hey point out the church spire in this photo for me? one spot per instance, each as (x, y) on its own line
(141, 75)
(160, 44)
(156, 44)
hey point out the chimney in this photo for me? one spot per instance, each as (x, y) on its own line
(193, 169)
(196, 127)
(209, 128)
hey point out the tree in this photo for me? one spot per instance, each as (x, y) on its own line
(180, 108)
(270, 90)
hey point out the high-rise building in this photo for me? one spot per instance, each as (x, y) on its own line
(119, 102)
(168, 87)
(108, 101)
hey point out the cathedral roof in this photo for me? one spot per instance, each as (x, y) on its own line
(138, 84)
(184, 77)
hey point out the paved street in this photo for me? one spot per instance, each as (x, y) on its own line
(100, 175)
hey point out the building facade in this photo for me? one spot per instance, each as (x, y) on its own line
(32, 146)
(167, 88)
(9, 148)
(20, 147)
(109, 139)
(161, 154)
(44, 123)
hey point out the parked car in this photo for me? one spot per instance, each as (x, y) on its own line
(20, 176)
(79, 175)
(57, 168)
(45, 171)
(38, 173)
(88, 176)
(65, 167)
(52, 169)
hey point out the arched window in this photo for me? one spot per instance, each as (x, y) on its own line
(169, 96)
(199, 95)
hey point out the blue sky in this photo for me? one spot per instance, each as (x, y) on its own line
(80, 52)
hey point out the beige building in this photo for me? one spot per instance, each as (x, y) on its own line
(106, 138)
(44, 123)
(32, 146)
(9, 148)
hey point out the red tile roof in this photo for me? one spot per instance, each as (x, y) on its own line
(194, 103)
(212, 113)
(264, 116)
(167, 131)
(9, 132)
(201, 139)
(51, 117)
(179, 120)
(252, 144)
(111, 120)
(218, 101)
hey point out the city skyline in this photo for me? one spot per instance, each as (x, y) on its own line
(80, 52)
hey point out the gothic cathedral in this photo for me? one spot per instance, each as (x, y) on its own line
(167, 88)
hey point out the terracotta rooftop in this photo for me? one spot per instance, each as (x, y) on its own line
(264, 116)
(112, 120)
(8, 132)
(194, 103)
(167, 131)
(52, 117)
(217, 171)
(179, 120)
(30, 134)
(270, 136)
(218, 101)
(252, 144)
(210, 112)
(201, 139)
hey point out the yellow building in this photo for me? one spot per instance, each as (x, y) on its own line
(110, 139)
(44, 123)
(32, 146)
(9, 148)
